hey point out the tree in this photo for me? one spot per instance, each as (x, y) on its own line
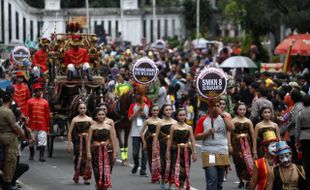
(295, 14)
(35, 3)
(190, 15)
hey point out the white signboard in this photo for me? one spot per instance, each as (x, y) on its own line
(129, 4)
(52, 4)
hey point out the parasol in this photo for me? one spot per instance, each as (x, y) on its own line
(300, 45)
(238, 62)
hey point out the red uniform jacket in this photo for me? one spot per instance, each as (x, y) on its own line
(39, 114)
(40, 59)
(76, 57)
(21, 95)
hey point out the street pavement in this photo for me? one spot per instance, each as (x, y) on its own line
(57, 172)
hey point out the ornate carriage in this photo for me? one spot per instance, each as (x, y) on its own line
(62, 92)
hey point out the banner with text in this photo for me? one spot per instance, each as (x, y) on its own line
(211, 82)
(144, 71)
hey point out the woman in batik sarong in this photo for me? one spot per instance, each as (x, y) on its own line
(241, 144)
(101, 150)
(162, 135)
(79, 129)
(148, 143)
(261, 128)
(180, 146)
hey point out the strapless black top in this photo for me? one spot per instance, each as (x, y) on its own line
(165, 129)
(180, 136)
(101, 135)
(151, 128)
(82, 126)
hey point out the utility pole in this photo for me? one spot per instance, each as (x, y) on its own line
(154, 21)
(87, 16)
(122, 17)
(197, 18)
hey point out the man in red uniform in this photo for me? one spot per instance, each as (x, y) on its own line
(21, 92)
(40, 57)
(77, 57)
(38, 113)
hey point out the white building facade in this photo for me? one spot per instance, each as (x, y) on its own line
(20, 22)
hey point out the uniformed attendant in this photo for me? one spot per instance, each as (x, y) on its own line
(21, 92)
(38, 112)
(77, 57)
(40, 57)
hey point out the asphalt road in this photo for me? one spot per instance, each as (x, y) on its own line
(57, 172)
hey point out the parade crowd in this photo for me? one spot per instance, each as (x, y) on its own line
(261, 122)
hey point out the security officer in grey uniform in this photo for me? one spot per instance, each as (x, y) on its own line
(9, 133)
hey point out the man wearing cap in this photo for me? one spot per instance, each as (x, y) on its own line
(288, 175)
(77, 57)
(21, 92)
(38, 112)
(40, 56)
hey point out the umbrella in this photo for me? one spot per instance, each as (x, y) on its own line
(238, 62)
(200, 43)
(300, 45)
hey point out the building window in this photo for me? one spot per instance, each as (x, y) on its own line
(144, 28)
(2, 21)
(24, 29)
(102, 23)
(227, 32)
(40, 25)
(173, 27)
(10, 22)
(31, 30)
(17, 25)
(110, 27)
(166, 28)
(116, 27)
(95, 24)
(152, 32)
(158, 30)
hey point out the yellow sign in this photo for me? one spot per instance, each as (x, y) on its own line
(82, 20)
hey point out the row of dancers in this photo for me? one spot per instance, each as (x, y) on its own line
(169, 143)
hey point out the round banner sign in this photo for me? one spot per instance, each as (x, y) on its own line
(160, 45)
(211, 82)
(19, 53)
(144, 71)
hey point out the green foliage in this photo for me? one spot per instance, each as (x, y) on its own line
(295, 14)
(246, 48)
(233, 11)
(190, 15)
(72, 3)
(233, 40)
(104, 3)
(264, 16)
(174, 42)
(35, 3)
(275, 59)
